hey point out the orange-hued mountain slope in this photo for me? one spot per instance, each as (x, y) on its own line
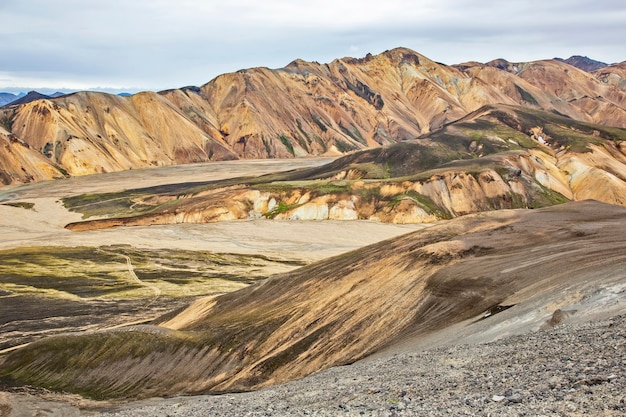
(303, 109)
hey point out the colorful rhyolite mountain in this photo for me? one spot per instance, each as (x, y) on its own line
(303, 109)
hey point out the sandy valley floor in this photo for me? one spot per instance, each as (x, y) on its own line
(43, 225)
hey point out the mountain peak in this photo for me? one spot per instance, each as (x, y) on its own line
(584, 63)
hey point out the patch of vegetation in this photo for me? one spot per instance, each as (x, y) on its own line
(280, 208)
(268, 149)
(301, 129)
(321, 142)
(107, 271)
(547, 197)
(343, 146)
(573, 140)
(303, 139)
(526, 96)
(20, 204)
(558, 113)
(105, 204)
(573, 134)
(331, 187)
(6, 120)
(353, 132)
(319, 122)
(77, 272)
(424, 202)
(71, 363)
(387, 172)
(496, 137)
(317, 187)
(399, 160)
(287, 142)
(370, 194)
(278, 186)
(136, 202)
(509, 200)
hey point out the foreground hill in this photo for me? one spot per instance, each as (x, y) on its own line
(533, 263)
(305, 108)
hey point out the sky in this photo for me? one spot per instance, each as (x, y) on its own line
(137, 45)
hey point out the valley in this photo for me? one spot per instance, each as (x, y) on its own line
(403, 208)
(103, 279)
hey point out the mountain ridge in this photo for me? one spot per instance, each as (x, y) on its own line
(496, 157)
(303, 109)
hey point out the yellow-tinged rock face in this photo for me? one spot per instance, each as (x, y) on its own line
(20, 163)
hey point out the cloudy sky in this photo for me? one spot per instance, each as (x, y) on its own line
(137, 45)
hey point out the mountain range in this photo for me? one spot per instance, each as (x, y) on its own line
(303, 109)
(6, 98)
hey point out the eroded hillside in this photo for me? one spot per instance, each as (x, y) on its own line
(494, 158)
(337, 311)
(305, 108)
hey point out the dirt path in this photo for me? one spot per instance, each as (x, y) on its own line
(11, 349)
(134, 277)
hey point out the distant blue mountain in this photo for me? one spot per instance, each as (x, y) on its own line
(22, 98)
(27, 98)
(6, 98)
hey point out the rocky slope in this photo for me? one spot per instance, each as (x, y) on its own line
(20, 163)
(568, 257)
(305, 108)
(531, 374)
(614, 75)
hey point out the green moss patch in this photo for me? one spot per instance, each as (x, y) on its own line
(20, 204)
(96, 272)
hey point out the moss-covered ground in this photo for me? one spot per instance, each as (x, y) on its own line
(46, 290)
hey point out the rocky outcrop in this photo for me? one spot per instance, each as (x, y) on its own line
(614, 75)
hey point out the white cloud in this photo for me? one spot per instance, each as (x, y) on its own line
(158, 44)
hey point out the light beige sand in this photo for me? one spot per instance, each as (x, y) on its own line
(310, 241)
